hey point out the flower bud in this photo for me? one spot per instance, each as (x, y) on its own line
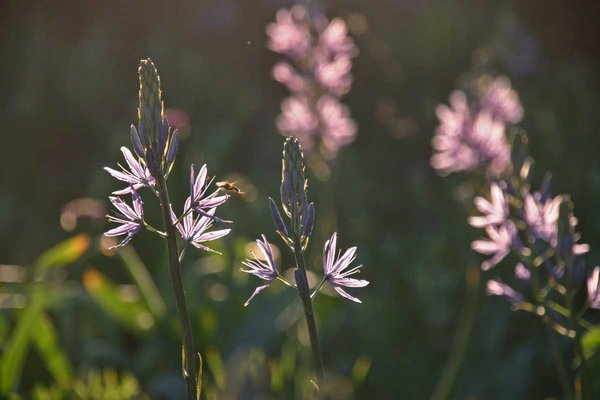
(277, 220)
(172, 151)
(293, 182)
(135, 141)
(150, 111)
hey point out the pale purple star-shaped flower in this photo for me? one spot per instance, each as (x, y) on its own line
(495, 211)
(194, 229)
(495, 287)
(502, 239)
(264, 268)
(199, 200)
(130, 218)
(502, 102)
(137, 177)
(334, 269)
(593, 289)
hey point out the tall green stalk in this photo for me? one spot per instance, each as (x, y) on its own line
(158, 145)
(304, 292)
(189, 363)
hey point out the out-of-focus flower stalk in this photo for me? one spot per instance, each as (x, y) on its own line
(319, 57)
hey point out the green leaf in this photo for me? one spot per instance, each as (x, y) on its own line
(591, 341)
(16, 348)
(215, 364)
(140, 275)
(63, 254)
(199, 378)
(47, 344)
(130, 313)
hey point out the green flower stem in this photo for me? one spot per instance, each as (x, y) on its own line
(585, 376)
(558, 360)
(319, 286)
(189, 355)
(463, 334)
(308, 312)
(554, 345)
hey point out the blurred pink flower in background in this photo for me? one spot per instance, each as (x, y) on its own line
(290, 34)
(321, 53)
(179, 120)
(502, 102)
(470, 135)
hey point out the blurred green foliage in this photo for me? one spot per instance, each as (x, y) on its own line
(79, 321)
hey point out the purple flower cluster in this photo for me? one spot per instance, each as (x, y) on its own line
(155, 147)
(470, 135)
(335, 269)
(198, 212)
(546, 237)
(317, 73)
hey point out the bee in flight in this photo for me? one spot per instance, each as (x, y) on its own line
(229, 186)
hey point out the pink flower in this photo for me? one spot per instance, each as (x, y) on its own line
(335, 75)
(593, 289)
(338, 129)
(297, 118)
(334, 39)
(289, 34)
(463, 142)
(284, 73)
(502, 102)
(495, 211)
(501, 240)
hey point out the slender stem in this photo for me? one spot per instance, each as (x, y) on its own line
(319, 286)
(189, 355)
(153, 229)
(558, 360)
(285, 281)
(182, 252)
(585, 376)
(463, 333)
(304, 293)
(554, 345)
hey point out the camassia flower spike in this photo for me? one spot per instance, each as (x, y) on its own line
(155, 146)
(295, 231)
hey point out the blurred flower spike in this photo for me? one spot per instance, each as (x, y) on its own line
(317, 73)
(473, 135)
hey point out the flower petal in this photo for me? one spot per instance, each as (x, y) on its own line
(256, 291)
